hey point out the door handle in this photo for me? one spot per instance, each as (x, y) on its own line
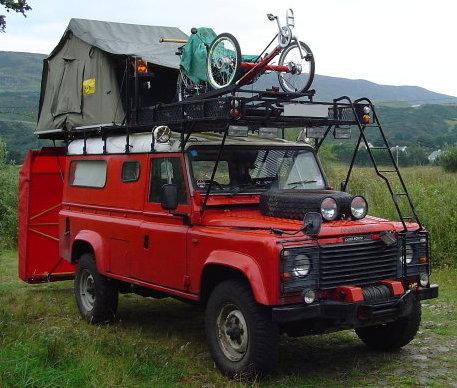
(146, 241)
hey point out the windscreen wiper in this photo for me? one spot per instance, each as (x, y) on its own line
(302, 182)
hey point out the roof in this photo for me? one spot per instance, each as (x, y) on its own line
(129, 39)
(214, 140)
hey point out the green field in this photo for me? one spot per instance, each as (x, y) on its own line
(433, 191)
(43, 342)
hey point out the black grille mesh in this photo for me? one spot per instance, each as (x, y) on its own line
(358, 263)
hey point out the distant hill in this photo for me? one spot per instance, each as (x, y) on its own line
(431, 126)
(328, 88)
(20, 70)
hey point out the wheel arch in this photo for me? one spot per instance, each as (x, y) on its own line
(224, 265)
(87, 241)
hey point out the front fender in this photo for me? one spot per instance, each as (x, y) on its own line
(244, 264)
(96, 241)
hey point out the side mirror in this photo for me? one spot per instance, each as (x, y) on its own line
(271, 17)
(169, 196)
(343, 186)
(312, 223)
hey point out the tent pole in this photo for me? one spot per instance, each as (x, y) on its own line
(127, 91)
(137, 96)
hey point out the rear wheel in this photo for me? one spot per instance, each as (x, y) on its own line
(224, 58)
(301, 68)
(242, 338)
(186, 88)
(393, 335)
(96, 295)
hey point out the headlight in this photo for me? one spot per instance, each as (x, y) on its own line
(423, 278)
(329, 209)
(409, 254)
(359, 207)
(301, 265)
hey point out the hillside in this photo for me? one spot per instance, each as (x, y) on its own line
(430, 126)
(328, 88)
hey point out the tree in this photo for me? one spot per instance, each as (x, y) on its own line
(18, 6)
(448, 159)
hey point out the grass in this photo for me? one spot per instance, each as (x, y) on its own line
(433, 192)
(44, 342)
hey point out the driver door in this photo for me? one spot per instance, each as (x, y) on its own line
(163, 258)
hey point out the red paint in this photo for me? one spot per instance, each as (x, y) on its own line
(40, 198)
(117, 220)
(395, 287)
(277, 68)
(348, 294)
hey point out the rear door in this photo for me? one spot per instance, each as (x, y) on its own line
(41, 182)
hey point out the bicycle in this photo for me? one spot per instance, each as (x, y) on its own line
(185, 86)
(226, 66)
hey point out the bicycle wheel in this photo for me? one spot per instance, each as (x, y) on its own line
(224, 58)
(186, 88)
(301, 74)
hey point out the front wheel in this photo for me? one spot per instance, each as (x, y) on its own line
(242, 338)
(300, 62)
(393, 335)
(223, 63)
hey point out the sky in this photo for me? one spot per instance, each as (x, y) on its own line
(393, 42)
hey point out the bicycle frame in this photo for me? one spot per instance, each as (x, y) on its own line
(263, 65)
(259, 67)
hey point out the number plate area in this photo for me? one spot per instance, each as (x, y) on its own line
(305, 110)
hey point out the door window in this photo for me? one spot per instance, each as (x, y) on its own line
(130, 171)
(165, 171)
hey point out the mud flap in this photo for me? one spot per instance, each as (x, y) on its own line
(41, 180)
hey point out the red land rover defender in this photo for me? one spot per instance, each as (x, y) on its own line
(261, 241)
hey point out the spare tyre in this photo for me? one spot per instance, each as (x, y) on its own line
(294, 204)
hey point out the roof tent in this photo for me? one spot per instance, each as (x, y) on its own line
(90, 77)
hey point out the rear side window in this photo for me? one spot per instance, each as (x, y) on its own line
(130, 171)
(88, 173)
(164, 171)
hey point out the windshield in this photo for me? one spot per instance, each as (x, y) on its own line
(257, 169)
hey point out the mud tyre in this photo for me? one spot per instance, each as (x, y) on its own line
(96, 295)
(393, 335)
(242, 338)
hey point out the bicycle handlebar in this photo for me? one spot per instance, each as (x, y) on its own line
(172, 40)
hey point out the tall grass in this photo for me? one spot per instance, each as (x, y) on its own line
(434, 194)
(8, 201)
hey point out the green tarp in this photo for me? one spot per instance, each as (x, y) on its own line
(195, 54)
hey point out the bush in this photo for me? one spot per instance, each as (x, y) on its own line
(448, 159)
(8, 200)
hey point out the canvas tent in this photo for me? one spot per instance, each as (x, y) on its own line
(87, 79)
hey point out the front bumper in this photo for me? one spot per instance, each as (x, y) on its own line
(359, 314)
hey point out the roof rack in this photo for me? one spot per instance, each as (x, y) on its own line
(217, 110)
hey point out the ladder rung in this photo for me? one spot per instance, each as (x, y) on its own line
(400, 194)
(378, 148)
(387, 170)
(408, 218)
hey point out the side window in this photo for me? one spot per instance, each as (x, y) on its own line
(130, 171)
(88, 173)
(164, 171)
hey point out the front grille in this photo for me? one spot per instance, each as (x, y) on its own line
(358, 263)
